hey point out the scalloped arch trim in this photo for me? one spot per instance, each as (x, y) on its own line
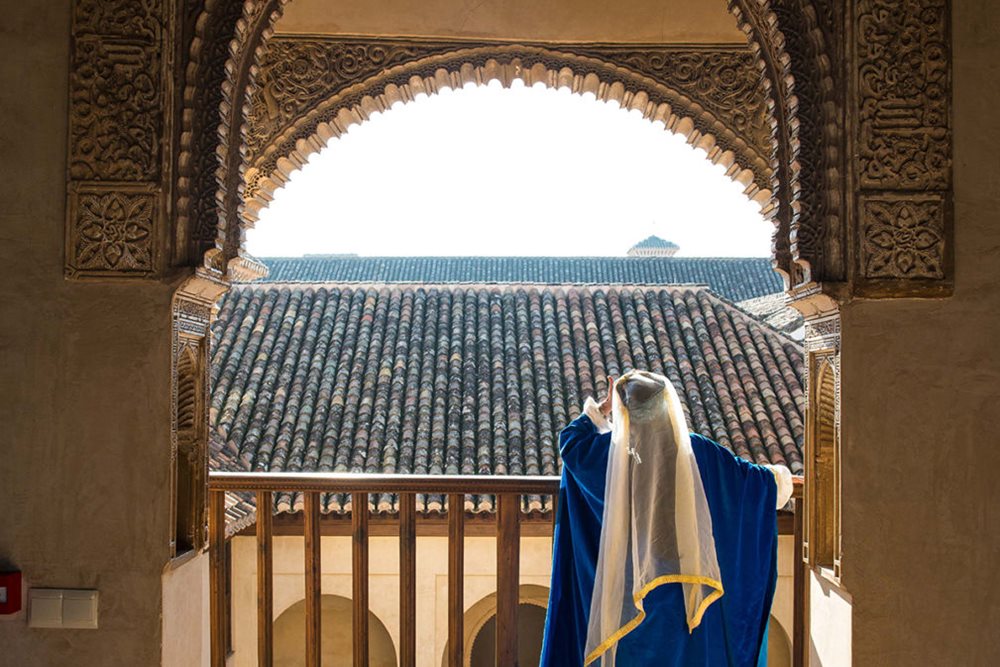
(271, 170)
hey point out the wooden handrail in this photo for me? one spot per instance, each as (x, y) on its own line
(508, 491)
(333, 482)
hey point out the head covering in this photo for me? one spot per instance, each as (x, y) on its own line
(656, 528)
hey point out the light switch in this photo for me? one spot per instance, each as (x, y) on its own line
(62, 608)
(45, 608)
(79, 609)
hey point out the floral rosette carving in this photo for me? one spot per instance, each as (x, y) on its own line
(114, 232)
(903, 239)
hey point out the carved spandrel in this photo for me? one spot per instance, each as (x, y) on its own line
(903, 88)
(112, 232)
(297, 75)
(723, 80)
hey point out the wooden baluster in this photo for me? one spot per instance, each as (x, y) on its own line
(456, 578)
(800, 582)
(508, 575)
(265, 590)
(407, 580)
(359, 577)
(313, 582)
(217, 575)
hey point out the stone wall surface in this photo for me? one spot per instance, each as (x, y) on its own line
(921, 383)
(84, 384)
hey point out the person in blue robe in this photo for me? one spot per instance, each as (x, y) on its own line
(732, 628)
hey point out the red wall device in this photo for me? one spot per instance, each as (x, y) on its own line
(10, 592)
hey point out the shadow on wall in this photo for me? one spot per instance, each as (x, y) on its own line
(779, 646)
(290, 628)
(480, 628)
(530, 626)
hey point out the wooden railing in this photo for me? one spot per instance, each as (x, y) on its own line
(508, 491)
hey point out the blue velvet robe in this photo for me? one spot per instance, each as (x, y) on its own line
(741, 498)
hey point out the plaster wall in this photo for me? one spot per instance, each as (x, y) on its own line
(830, 622)
(633, 21)
(186, 642)
(432, 584)
(84, 384)
(921, 404)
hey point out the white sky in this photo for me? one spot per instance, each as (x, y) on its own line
(519, 171)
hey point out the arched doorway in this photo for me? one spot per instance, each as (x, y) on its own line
(290, 629)
(480, 628)
(779, 646)
(530, 626)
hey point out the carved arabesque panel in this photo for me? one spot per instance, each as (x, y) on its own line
(903, 88)
(902, 63)
(903, 237)
(112, 230)
(118, 96)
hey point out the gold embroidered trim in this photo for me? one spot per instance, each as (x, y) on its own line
(637, 599)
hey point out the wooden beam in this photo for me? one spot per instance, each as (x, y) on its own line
(217, 576)
(265, 582)
(332, 482)
(313, 582)
(508, 576)
(407, 580)
(359, 577)
(456, 579)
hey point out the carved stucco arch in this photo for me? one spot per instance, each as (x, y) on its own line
(255, 26)
(291, 149)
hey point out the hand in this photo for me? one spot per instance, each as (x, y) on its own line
(605, 405)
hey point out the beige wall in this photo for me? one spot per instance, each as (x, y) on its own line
(830, 617)
(84, 384)
(665, 21)
(921, 405)
(186, 614)
(432, 584)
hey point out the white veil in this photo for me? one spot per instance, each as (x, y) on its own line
(656, 527)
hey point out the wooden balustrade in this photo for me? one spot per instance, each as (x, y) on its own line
(508, 491)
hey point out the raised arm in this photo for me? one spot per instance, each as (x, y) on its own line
(584, 443)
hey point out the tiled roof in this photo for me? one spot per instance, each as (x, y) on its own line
(735, 278)
(655, 242)
(773, 309)
(479, 379)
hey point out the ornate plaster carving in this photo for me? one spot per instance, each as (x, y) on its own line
(903, 238)
(767, 43)
(902, 67)
(816, 232)
(715, 86)
(303, 118)
(192, 314)
(903, 92)
(118, 94)
(112, 230)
